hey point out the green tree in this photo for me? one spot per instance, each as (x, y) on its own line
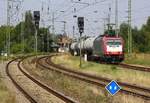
(124, 34)
(141, 37)
(29, 25)
(44, 39)
(3, 39)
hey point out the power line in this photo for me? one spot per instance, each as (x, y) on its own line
(69, 8)
(61, 5)
(82, 8)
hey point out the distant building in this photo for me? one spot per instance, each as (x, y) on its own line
(64, 42)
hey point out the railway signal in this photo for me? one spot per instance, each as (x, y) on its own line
(36, 15)
(36, 18)
(81, 30)
(81, 24)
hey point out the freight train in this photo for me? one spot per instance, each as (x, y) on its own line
(108, 47)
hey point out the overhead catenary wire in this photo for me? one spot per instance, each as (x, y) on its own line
(82, 8)
(73, 6)
(78, 10)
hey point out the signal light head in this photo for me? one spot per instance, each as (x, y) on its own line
(81, 24)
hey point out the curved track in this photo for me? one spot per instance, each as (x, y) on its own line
(99, 81)
(17, 85)
(47, 88)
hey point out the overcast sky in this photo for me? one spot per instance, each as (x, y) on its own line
(95, 12)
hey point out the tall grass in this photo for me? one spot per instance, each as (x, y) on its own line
(140, 59)
(109, 71)
(80, 91)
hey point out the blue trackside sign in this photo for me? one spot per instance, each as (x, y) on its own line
(113, 87)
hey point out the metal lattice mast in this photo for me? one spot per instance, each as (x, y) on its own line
(53, 26)
(73, 32)
(129, 28)
(13, 7)
(22, 33)
(49, 26)
(109, 14)
(48, 35)
(64, 27)
(116, 17)
(43, 24)
(8, 27)
(105, 24)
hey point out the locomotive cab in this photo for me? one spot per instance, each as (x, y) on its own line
(113, 49)
(109, 47)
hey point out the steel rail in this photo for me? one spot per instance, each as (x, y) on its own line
(32, 100)
(63, 97)
(133, 67)
(91, 78)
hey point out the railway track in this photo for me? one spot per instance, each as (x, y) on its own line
(47, 88)
(126, 66)
(99, 81)
(32, 100)
(129, 66)
(133, 67)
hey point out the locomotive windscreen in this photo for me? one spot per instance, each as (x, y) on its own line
(113, 43)
(114, 46)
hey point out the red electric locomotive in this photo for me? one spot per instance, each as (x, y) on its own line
(108, 47)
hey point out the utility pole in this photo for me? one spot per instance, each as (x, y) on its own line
(74, 16)
(105, 19)
(8, 27)
(64, 26)
(13, 7)
(73, 31)
(109, 14)
(22, 34)
(47, 31)
(36, 42)
(53, 23)
(47, 39)
(80, 51)
(43, 24)
(116, 18)
(129, 28)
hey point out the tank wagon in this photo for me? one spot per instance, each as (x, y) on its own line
(106, 48)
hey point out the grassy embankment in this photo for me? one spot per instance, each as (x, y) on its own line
(109, 71)
(80, 91)
(139, 59)
(5, 95)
